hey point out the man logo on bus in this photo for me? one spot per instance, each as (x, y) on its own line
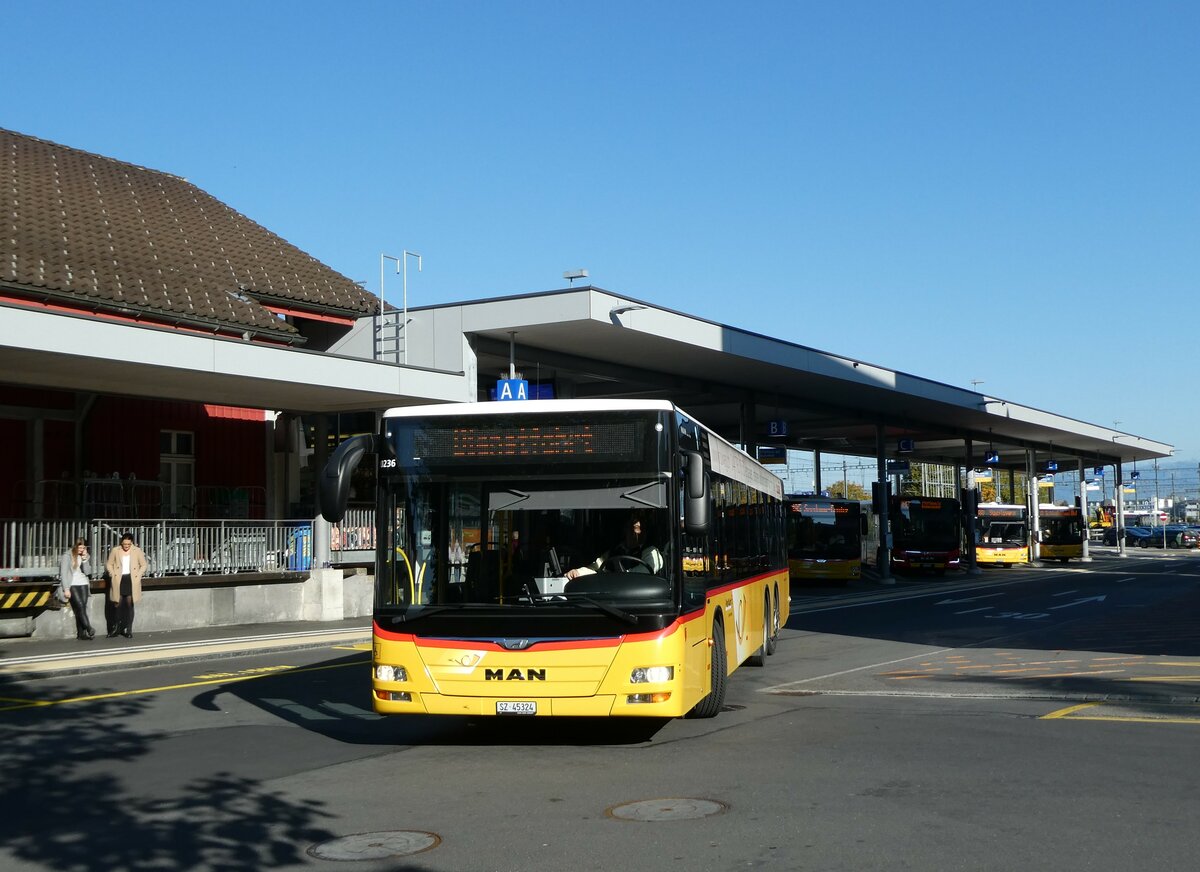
(514, 675)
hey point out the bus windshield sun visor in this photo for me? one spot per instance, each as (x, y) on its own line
(334, 489)
(652, 494)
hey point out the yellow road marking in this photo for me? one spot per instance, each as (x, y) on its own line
(147, 690)
(1133, 719)
(1171, 678)
(1069, 710)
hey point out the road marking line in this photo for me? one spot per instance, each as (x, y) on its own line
(147, 690)
(777, 687)
(918, 694)
(1135, 720)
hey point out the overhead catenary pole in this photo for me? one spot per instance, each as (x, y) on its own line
(1119, 499)
(1083, 511)
(883, 556)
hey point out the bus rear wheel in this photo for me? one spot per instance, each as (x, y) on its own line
(773, 636)
(759, 657)
(710, 706)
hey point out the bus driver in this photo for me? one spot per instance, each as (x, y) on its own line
(634, 553)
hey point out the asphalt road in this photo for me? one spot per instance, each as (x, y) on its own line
(1022, 719)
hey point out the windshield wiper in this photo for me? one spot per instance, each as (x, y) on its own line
(415, 612)
(575, 598)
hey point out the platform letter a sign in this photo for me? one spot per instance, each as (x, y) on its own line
(512, 389)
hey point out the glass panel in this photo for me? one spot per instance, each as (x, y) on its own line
(823, 530)
(529, 541)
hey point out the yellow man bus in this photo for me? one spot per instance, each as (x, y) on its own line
(1003, 534)
(1062, 530)
(623, 559)
(824, 538)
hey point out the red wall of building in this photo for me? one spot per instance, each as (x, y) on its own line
(12, 467)
(122, 436)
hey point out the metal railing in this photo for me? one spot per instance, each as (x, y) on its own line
(172, 547)
(355, 532)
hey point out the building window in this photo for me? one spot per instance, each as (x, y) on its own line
(177, 472)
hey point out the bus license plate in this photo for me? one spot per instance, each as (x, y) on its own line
(506, 707)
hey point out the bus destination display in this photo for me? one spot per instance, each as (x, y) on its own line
(603, 441)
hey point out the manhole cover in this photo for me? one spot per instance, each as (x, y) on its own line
(375, 846)
(676, 809)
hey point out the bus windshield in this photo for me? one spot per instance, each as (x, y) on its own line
(823, 530)
(1002, 533)
(1064, 529)
(526, 540)
(928, 524)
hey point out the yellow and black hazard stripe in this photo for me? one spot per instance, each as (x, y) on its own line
(18, 595)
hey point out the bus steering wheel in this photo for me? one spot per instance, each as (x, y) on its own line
(617, 562)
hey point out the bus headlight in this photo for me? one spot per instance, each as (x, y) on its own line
(652, 674)
(384, 672)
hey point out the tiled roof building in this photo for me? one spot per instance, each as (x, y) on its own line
(87, 232)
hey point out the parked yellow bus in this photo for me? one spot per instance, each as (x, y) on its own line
(565, 606)
(1062, 530)
(824, 538)
(1002, 534)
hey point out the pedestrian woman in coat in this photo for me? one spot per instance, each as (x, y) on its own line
(74, 587)
(126, 565)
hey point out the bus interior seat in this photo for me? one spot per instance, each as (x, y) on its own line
(483, 576)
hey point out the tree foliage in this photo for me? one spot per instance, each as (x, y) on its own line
(848, 490)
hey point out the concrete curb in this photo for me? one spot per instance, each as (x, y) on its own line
(79, 663)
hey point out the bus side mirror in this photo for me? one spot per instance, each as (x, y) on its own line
(696, 513)
(334, 487)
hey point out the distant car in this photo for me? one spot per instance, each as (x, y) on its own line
(1172, 536)
(1134, 536)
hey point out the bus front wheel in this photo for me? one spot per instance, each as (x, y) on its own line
(712, 703)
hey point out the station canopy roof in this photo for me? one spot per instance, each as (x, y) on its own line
(589, 342)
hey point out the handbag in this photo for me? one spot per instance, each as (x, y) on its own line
(57, 600)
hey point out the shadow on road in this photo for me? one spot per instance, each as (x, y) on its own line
(67, 810)
(333, 698)
(1166, 621)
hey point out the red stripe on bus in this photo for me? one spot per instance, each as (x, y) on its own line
(557, 645)
(766, 576)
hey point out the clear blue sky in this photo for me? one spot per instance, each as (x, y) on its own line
(998, 191)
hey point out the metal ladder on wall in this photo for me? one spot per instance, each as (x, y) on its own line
(390, 341)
